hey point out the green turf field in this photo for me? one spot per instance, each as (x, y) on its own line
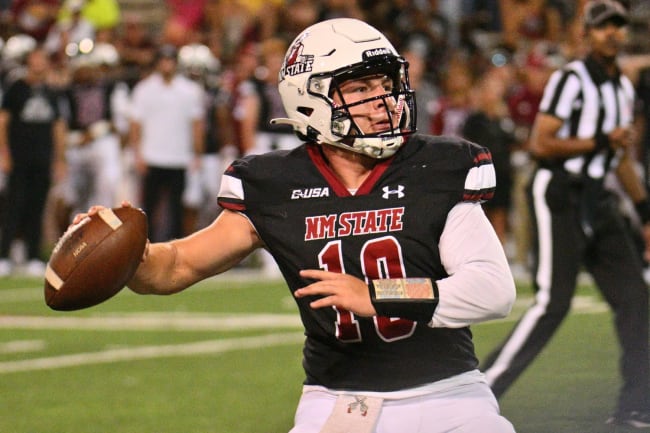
(224, 357)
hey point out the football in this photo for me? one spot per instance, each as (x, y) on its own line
(95, 258)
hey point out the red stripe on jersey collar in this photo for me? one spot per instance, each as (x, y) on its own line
(335, 183)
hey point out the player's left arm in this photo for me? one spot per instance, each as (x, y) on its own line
(480, 285)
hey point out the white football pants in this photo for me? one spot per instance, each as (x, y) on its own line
(461, 404)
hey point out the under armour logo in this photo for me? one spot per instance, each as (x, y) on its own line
(387, 191)
(359, 402)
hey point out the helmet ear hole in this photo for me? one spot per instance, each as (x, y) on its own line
(311, 135)
(307, 111)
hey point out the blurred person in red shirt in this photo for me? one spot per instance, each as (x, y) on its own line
(453, 107)
(34, 17)
(185, 17)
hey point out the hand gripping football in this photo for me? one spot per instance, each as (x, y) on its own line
(95, 258)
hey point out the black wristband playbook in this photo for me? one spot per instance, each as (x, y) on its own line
(643, 210)
(408, 298)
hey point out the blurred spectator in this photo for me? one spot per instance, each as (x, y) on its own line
(136, 48)
(103, 14)
(423, 83)
(241, 84)
(32, 142)
(454, 105)
(167, 124)
(70, 32)
(643, 92)
(94, 155)
(230, 19)
(14, 56)
(264, 20)
(184, 18)
(222, 136)
(530, 20)
(34, 17)
(523, 102)
(422, 24)
(199, 63)
(490, 125)
(340, 9)
(537, 64)
(5, 19)
(295, 16)
(267, 104)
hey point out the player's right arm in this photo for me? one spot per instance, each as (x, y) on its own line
(170, 267)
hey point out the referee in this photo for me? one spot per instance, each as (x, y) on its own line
(584, 129)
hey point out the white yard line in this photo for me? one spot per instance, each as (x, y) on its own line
(175, 322)
(22, 346)
(154, 322)
(151, 352)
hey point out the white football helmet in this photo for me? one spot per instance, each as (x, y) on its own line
(327, 54)
(105, 53)
(17, 47)
(101, 54)
(197, 59)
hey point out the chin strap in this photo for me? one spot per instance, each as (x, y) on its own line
(365, 146)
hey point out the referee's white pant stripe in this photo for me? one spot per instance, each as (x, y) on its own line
(543, 278)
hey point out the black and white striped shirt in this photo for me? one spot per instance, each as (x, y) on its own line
(590, 103)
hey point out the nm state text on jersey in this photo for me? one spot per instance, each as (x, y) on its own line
(354, 223)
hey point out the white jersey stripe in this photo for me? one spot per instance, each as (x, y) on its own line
(480, 178)
(231, 187)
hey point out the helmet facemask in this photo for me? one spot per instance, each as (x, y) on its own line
(398, 102)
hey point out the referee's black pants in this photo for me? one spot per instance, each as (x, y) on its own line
(560, 250)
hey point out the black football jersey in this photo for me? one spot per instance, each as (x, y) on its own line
(389, 228)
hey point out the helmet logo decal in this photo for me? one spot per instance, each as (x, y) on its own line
(376, 52)
(296, 62)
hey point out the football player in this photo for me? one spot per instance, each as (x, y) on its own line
(380, 235)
